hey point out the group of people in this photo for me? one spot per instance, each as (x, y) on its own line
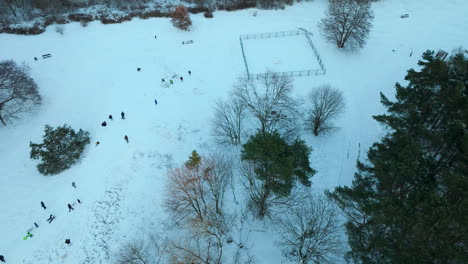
(111, 118)
(180, 78)
(50, 219)
(122, 114)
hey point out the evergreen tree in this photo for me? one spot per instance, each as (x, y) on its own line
(277, 164)
(408, 203)
(194, 160)
(61, 148)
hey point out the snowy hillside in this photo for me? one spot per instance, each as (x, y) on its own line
(93, 73)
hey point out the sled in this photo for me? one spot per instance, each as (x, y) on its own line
(404, 16)
(187, 42)
(46, 56)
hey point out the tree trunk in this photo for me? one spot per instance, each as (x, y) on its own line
(2, 120)
(11, 8)
(262, 205)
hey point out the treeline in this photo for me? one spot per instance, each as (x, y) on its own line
(32, 16)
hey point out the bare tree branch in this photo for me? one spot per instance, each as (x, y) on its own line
(268, 99)
(18, 91)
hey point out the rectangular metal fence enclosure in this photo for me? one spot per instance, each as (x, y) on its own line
(283, 34)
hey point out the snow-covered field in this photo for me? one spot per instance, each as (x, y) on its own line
(274, 54)
(92, 73)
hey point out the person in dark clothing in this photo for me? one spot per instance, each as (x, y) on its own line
(189, 73)
(155, 37)
(2, 258)
(36, 225)
(78, 201)
(155, 101)
(51, 217)
(73, 185)
(162, 80)
(110, 117)
(70, 208)
(181, 78)
(126, 138)
(104, 124)
(97, 143)
(35, 58)
(67, 241)
(43, 205)
(122, 115)
(138, 69)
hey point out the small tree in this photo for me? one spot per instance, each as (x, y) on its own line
(181, 18)
(278, 165)
(61, 148)
(347, 22)
(18, 91)
(196, 189)
(327, 103)
(310, 231)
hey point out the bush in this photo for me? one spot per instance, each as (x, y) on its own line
(78, 17)
(208, 14)
(59, 29)
(181, 18)
(62, 20)
(34, 29)
(84, 23)
(61, 148)
(197, 9)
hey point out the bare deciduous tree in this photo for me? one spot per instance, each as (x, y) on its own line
(347, 22)
(327, 103)
(181, 18)
(199, 248)
(310, 231)
(18, 91)
(135, 252)
(152, 250)
(270, 103)
(197, 192)
(228, 121)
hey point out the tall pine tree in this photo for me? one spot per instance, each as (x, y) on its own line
(408, 203)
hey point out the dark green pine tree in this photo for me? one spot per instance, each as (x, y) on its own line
(61, 148)
(408, 203)
(277, 164)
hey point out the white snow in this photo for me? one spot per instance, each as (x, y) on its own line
(274, 54)
(92, 73)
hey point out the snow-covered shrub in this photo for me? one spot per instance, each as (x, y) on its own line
(59, 29)
(208, 14)
(61, 148)
(181, 18)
